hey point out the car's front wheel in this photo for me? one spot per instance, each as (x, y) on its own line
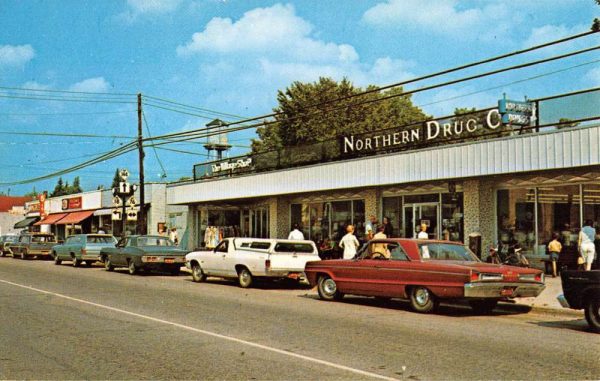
(108, 264)
(422, 300)
(328, 289)
(592, 313)
(483, 306)
(244, 278)
(197, 273)
(24, 254)
(76, 262)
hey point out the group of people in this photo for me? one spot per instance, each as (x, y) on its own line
(585, 244)
(171, 233)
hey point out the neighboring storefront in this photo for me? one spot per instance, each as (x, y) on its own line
(523, 183)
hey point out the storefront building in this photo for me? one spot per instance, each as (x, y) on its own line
(526, 183)
(91, 212)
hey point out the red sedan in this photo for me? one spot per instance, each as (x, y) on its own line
(424, 272)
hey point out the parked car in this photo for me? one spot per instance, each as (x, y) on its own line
(425, 272)
(144, 252)
(581, 290)
(33, 244)
(82, 247)
(5, 242)
(245, 259)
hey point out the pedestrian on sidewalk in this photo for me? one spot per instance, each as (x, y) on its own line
(349, 243)
(554, 247)
(174, 236)
(587, 250)
(296, 234)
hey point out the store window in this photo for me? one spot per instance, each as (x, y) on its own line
(452, 217)
(559, 211)
(392, 209)
(591, 205)
(319, 221)
(516, 217)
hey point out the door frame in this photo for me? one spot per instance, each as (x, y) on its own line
(419, 205)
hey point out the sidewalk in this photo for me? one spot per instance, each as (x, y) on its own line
(546, 301)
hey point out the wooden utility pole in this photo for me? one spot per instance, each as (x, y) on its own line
(141, 222)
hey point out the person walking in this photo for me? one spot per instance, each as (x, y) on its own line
(554, 247)
(174, 236)
(587, 250)
(388, 228)
(296, 234)
(423, 233)
(349, 243)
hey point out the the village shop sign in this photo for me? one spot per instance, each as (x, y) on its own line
(430, 131)
(231, 165)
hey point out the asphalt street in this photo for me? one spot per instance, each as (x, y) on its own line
(60, 322)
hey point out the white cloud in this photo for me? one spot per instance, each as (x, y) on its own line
(441, 17)
(268, 48)
(137, 8)
(548, 33)
(15, 55)
(93, 85)
(594, 77)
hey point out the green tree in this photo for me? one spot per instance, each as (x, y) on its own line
(33, 194)
(299, 124)
(59, 188)
(76, 188)
(116, 179)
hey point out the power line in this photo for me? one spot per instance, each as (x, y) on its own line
(65, 113)
(64, 91)
(154, 149)
(163, 100)
(84, 100)
(179, 111)
(67, 135)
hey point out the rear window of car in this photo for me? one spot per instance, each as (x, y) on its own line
(100, 239)
(260, 245)
(446, 252)
(154, 241)
(290, 247)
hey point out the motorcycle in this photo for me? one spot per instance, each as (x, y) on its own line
(508, 254)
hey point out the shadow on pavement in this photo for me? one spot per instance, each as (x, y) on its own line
(258, 284)
(572, 325)
(456, 309)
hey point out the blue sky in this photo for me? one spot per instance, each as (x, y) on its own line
(232, 56)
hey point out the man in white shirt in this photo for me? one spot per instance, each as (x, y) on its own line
(423, 233)
(296, 234)
(349, 243)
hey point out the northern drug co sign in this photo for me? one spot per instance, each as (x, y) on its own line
(430, 131)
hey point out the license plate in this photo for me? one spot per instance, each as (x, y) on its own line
(169, 260)
(507, 291)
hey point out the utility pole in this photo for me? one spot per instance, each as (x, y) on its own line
(142, 228)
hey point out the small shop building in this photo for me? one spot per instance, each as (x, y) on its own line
(478, 175)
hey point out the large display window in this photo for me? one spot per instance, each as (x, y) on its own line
(516, 217)
(322, 220)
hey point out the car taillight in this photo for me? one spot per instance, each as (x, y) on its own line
(268, 264)
(474, 276)
(83, 251)
(539, 277)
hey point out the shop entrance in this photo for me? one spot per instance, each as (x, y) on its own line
(416, 214)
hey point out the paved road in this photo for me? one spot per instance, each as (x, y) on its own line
(60, 322)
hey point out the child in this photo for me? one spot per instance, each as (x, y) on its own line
(554, 247)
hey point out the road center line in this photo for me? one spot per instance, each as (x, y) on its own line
(208, 333)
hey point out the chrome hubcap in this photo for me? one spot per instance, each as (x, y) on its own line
(422, 296)
(197, 272)
(329, 286)
(245, 276)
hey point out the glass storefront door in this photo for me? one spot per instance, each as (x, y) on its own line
(417, 214)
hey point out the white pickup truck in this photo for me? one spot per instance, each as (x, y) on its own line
(248, 258)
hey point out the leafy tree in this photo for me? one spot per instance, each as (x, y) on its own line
(116, 179)
(33, 193)
(59, 189)
(76, 188)
(299, 124)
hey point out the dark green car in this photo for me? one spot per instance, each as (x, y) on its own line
(144, 252)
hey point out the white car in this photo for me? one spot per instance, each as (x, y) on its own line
(248, 258)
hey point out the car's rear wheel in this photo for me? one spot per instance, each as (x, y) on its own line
(197, 273)
(132, 267)
(76, 262)
(422, 300)
(57, 260)
(244, 278)
(483, 306)
(108, 264)
(592, 313)
(328, 289)
(24, 254)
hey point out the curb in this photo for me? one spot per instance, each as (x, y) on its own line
(512, 307)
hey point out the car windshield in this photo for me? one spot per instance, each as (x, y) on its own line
(446, 252)
(10, 238)
(42, 238)
(154, 241)
(101, 239)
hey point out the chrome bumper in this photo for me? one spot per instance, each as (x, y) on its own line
(499, 290)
